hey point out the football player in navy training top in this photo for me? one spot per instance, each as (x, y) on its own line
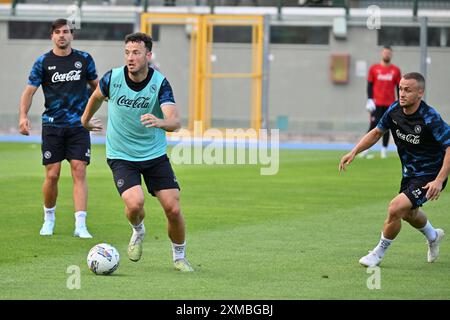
(423, 141)
(64, 74)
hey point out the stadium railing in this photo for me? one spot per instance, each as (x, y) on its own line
(347, 4)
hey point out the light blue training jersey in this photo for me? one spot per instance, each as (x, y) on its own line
(126, 137)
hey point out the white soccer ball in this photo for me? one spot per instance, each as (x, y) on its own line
(103, 259)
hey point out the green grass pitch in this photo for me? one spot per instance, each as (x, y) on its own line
(294, 235)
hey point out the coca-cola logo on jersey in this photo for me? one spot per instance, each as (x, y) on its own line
(385, 77)
(141, 102)
(73, 75)
(411, 138)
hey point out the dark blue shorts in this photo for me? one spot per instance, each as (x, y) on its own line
(412, 188)
(65, 143)
(157, 174)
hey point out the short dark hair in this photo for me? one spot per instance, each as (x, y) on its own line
(58, 23)
(387, 47)
(416, 76)
(140, 37)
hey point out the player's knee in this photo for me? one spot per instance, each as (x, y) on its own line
(135, 207)
(395, 211)
(52, 176)
(79, 171)
(172, 211)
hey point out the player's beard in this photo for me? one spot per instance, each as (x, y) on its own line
(386, 60)
(63, 46)
(137, 72)
(407, 105)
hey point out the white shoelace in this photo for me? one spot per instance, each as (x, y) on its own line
(137, 237)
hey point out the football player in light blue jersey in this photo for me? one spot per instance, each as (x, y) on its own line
(141, 108)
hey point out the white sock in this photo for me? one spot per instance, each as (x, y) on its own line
(49, 214)
(80, 219)
(139, 228)
(429, 232)
(178, 251)
(382, 246)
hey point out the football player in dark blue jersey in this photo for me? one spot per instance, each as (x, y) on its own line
(64, 74)
(423, 141)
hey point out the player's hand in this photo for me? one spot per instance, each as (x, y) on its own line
(149, 120)
(370, 105)
(346, 160)
(24, 126)
(434, 189)
(94, 125)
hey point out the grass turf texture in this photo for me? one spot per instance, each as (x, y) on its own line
(295, 235)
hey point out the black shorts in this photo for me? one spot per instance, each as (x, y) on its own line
(412, 188)
(65, 143)
(157, 174)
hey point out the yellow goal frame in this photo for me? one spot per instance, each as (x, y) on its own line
(200, 65)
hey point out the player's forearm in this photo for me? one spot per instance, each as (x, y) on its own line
(445, 169)
(171, 124)
(92, 107)
(370, 90)
(367, 141)
(25, 104)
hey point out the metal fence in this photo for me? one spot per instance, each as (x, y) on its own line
(425, 4)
